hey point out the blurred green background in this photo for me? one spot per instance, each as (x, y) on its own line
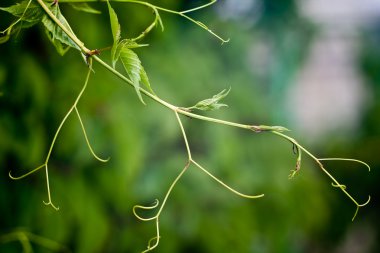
(277, 52)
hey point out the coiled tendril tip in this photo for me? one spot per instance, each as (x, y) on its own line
(341, 186)
(151, 207)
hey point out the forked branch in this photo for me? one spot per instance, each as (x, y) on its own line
(155, 205)
(45, 164)
(186, 111)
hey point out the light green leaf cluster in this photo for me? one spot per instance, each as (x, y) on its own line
(122, 49)
(211, 104)
(29, 14)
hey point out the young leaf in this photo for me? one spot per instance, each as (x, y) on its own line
(85, 7)
(124, 43)
(115, 28)
(262, 128)
(144, 77)
(58, 37)
(133, 67)
(211, 104)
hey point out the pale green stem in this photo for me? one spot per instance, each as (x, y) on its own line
(335, 182)
(177, 109)
(157, 216)
(184, 136)
(48, 190)
(147, 93)
(156, 238)
(79, 43)
(56, 135)
(199, 7)
(206, 171)
(142, 3)
(150, 27)
(27, 174)
(74, 106)
(18, 20)
(171, 188)
(226, 186)
(345, 159)
(154, 7)
(87, 141)
(156, 203)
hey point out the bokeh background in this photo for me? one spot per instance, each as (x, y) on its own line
(312, 66)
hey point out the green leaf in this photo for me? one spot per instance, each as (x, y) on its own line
(28, 11)
(145, 80)
(28, 14)
(115, 28)
(115, 53)
(211, 104)
(273, 128)
(124, 43)
(57, 36)
(134, 69)
(60, 47)
(85, 7)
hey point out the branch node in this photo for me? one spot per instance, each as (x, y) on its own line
(51, 204)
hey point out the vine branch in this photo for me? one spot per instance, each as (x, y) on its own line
(190, 161)
(45, 164)
(276, 130)
(156, 8)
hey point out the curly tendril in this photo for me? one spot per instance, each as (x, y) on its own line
(153, 206)
(342, 186)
